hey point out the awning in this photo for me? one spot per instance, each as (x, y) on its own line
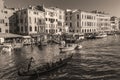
(26, 37)
(9, 35)
(38, 35)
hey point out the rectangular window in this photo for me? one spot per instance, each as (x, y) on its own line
(70, 24)
(21, 20)
(70, 17)
(35, 20)
(1, 21)
(0, 30)
(39, 21)
(24, 12)
(6, 24)
(5, 12)
(30, 28)
(46, 31)
(77, 31)
(77, 16)
(77, 24)
(22, 29)
(56, 31)
(6, 31)
(35, 12)
(35, 28)
(46, 19)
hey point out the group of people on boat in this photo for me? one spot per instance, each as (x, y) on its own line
(47, 66)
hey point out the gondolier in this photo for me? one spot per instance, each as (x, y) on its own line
(29, 64)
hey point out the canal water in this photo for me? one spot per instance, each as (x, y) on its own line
(98, 60)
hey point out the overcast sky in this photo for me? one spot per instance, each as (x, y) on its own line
(109, 6)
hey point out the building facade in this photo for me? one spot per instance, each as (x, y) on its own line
(30, 21)
(5, 14)
(119, 24)
(87, 22)
(54, 20)
(81, 21)
(114, 23)
(103, 21)
(1, 4)
(38, 19)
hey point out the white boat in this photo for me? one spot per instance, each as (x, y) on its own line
(6, 48)
(101, 35)
(68, 47)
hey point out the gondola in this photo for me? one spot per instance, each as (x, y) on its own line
(45, 69)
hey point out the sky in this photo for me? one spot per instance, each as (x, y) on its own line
(109, 6)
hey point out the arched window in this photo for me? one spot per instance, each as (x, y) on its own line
(0, 30)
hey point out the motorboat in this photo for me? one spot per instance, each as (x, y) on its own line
(42, 70)
(101, 35)
(90, 36)
(68, 47)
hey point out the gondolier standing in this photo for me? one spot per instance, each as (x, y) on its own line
(29, 64)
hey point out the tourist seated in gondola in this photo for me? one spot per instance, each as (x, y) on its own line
(53, 64)
(48, 66)
(60, 60)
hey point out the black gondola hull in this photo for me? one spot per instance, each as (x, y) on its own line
(38, 72)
